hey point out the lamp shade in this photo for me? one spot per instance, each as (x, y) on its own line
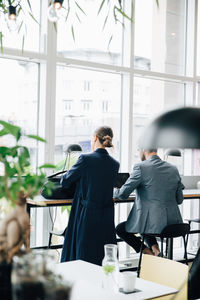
(73, 148)
(173, 152)
(179, 128)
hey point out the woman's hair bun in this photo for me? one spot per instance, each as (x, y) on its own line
(105, 135)
(107, 141)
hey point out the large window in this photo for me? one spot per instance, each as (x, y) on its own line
(19, 97)
(92, 39)
(85, 113)
(160, 36)
(64, 89)
(150, 98)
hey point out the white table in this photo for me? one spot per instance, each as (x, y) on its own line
(87, 283)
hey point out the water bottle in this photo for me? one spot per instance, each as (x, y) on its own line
(110, 267)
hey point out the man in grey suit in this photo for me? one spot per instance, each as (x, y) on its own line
(158, 192)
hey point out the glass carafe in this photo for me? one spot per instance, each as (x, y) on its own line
(110, 268)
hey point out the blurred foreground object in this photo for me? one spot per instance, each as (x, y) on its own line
(179, 128)
(17, 183)
(34, 277)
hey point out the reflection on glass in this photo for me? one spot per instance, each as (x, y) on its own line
(19, 88)
(151, 98)
(91, 40)
(198, 43)
(85, 100)
(160, 36)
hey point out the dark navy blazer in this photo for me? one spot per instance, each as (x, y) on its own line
(91, 222)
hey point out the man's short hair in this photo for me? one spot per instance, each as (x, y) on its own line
(151, 150)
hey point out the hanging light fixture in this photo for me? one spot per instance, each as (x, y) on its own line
(12, 20)
(58, 4)
(54, 10)
(12, 13)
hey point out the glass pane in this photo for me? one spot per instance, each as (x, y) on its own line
(198, 42)
(91, 41)
(85, 100)
(160, 36)
(151, 98)
(196, 152)
(25, 25)
(19, 98)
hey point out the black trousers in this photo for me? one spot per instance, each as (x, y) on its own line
(134, 241)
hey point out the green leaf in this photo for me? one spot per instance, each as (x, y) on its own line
(108, 269)
(102, 3)
(68, 11)
(3, 132)
(29, 4)
(55, 26)
(6, 151)
(11, 129)
(80, 8)
(105, 21)
(14, 151)
(24, 152)
(73, 35)
(123, 13)
(18, 12)
(157, 2)
(46, 166)
(1, 41)
(34, 18)
(78, 17)
(110, 41)
(20, 26)
(36, 137)
(68, 208)
(10, 171)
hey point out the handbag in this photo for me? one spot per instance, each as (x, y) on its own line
(56, 190)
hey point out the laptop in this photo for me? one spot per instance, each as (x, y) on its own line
(121, 179)
(190, 182)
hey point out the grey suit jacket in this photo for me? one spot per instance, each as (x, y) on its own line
(158, 193)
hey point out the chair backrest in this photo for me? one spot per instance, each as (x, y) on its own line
(194, 278)
(166, 272)
(175, 230)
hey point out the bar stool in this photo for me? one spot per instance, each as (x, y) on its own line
(58, 233)
(169, 232)
(197, 220)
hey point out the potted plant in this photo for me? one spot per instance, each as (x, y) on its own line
(17, 183)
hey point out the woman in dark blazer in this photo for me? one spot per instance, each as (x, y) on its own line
(91, 222)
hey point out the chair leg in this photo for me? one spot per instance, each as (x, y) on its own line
(170, 252)
(140, 258)
(50, 238)
(166, 249)
(161, 250)
(185, 250)
(187, 237)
